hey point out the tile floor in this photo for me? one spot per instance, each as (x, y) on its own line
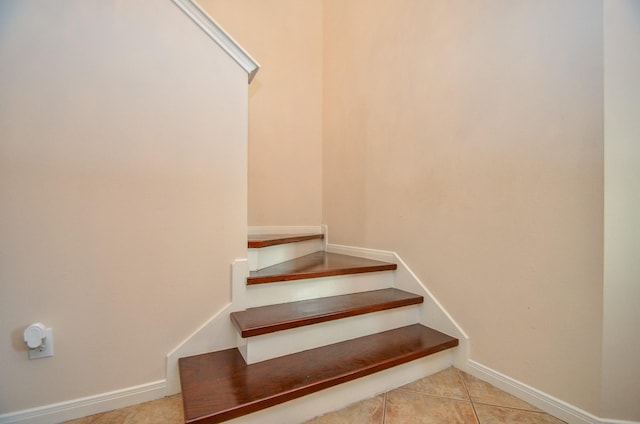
(450, 396)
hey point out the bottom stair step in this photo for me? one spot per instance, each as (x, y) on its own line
(219, 386)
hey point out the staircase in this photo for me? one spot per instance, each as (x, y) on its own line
(315, 320)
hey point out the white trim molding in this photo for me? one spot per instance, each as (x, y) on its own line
(290, 229)
(82, 407)
(610, 421)
(432, 313)
(216, 333)
(219, 35)
(554, 406)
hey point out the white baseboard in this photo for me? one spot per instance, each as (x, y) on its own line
(361, 252)
(77, 408)
(554, 406)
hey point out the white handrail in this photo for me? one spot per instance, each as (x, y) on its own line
(219, 35)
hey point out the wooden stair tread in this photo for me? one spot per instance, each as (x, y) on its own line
(265, 240)
(318, 264)
(271, 318)
(219, 386)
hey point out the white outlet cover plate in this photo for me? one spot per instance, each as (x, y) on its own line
(47, 350)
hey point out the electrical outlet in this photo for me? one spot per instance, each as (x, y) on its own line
(46, 350)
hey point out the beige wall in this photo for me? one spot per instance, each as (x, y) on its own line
(122, 191)
(468, 137)
(621, 342)
(285, 105)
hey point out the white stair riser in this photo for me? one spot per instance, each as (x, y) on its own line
(286, 230)
(302, 409)
(263, 257)
(291, 291)
(269, 346)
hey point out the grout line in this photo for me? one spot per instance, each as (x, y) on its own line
(473, 405)
(513, 408)
(435, 396)
(384, 408)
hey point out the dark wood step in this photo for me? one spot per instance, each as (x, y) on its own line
(220, 386)
(318, 264)
(266, 240)
(272, 318)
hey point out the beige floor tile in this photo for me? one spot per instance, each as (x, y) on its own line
(488, 414)
(368, 411)
(405, 407)
(439, 399)
(482, 392)
(447, 383)
(167, 411)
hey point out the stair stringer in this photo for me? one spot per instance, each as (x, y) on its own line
(215, 334)
(432, 313)
(218, 332)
